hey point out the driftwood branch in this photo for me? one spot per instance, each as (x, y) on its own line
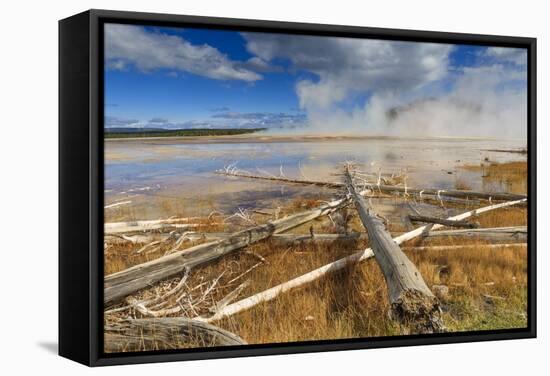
(280, 179)
(412, 302)
(284, 238)
(150, 225)
(131, 228)
(465, 246)
(165, 333)
(229, 298)
(114, 205)
(148, 222)
(518, 233)
(442, 221)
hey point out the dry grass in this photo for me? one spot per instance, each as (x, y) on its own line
(354, 302)
(487, 287)
(462, 184)
(508, 177)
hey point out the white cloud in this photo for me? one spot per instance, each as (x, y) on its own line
(346, 65)
(259, 65)
(158, 120)
(114, 121)
(147, 51)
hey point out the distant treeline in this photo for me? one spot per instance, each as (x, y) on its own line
(178, 132)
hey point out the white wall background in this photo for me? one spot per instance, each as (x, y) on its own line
(28, 199)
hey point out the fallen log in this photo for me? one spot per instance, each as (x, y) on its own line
(165, 333)
(464, 246)
(283, 238)
(167, 224)
(297, 238)
(282, 179)
(420, 192)
(518, 233)
(518, 151)
(442, 221)
(273, 292)
(412, 302)
(148, 222)
(114, 205)
(125, 282)
(134, 239)
(452, 200)
(133, 228)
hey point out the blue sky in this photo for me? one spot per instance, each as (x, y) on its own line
(185, 78)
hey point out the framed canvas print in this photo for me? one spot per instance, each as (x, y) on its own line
(239, 187)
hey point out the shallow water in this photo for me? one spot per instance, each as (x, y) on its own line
(148, 170)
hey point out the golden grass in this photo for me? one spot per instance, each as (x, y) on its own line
(462, 184)
(509, 176)
(354, 302)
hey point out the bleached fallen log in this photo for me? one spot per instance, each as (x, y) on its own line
(438, 193)
(117, 239)
(465, 246)
(281, 179)
(472, 213)
(165, 333)
(412, 302)
(297, 238)
(442, 221)
(132, 228)
(518, 233)
(114, 205)
(130, 280)
(284, 238)
(273, 292)
(148, 225)
(452, 200)
(148, 222)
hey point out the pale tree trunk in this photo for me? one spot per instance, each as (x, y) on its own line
(412, 302)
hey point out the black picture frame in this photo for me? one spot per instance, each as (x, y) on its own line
(81, 186)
